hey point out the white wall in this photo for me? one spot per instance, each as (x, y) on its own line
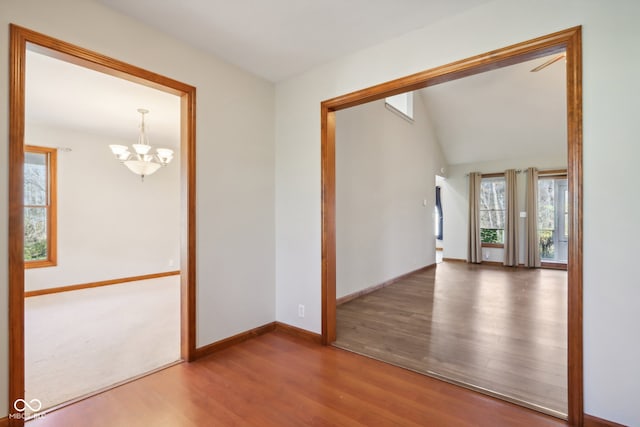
(110, 223)
(235, 163)
(385, 170)
(611, 291)
(456, 220)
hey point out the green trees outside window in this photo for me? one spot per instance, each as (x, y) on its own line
(39, 206)
(492, 210)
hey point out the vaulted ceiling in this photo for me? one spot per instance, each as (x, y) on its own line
(506, 113)
(500, 114)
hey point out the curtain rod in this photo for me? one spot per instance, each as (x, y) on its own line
(555, 171)
(497, 173)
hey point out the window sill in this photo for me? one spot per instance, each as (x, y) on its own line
(493, 245)
(39, 264)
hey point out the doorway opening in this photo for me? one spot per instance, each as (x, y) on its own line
(22, 41)
(568, 41)
(106, 307)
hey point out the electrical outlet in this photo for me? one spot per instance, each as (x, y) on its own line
(300, 310)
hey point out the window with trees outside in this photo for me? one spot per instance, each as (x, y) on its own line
(492, 211)
(553, 218)
(39, 206)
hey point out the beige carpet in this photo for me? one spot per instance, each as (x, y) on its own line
(82, 341)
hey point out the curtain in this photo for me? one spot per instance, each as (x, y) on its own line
(474, 248)
(439, 213)
(532, 246)
(511, 219)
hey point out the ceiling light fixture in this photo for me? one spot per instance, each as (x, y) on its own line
(141, 161)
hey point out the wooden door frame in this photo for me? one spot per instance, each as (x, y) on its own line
(569, 41)
(19, 38)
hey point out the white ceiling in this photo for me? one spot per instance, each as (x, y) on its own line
(505, 113)
(63, 95)
(502, 114)
(277, 39)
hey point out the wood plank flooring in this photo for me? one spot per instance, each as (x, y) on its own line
(501, 330)
(280, 380)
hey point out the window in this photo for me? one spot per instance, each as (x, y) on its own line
(553, 216)
(39, 207)
(401, 104)
(438, 214)
(492, 211)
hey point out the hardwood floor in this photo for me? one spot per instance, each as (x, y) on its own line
(500, 330)
(281, 380)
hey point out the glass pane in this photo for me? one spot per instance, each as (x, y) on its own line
(492, 219)
(492, 193)
(35, 179)
(547, 247)
(490, 235)
(35, 234)
(566, 213)
(546, 203)
(402, 102)
(492, 210)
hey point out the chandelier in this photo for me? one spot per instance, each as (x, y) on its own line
(142, 162)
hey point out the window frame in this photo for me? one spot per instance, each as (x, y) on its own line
(555, 174)
(401, 104)
(51, 206)
(493, 176)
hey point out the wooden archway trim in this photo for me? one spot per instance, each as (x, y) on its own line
(570, 41)
(19, 39)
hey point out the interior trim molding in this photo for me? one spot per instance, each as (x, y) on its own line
(19, 39)
(591, 421)
(298, 332)
(454, 260)
(547, 173)
(553, 266)
(256, 332)
(354, 295)
(568, 41)
(233, 340)
(89, 285)
(493, 245)
(495, 264)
